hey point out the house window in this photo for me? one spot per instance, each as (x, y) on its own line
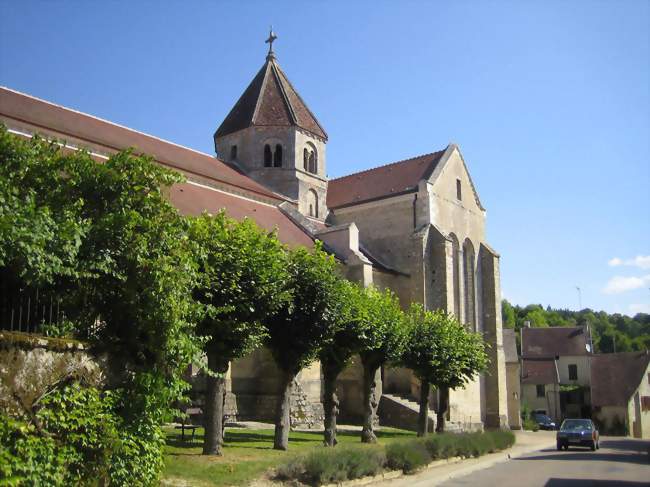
(573, 372)
(459, 190)
(268, 157)
(541, 392)
(233, 152)
(277, 156)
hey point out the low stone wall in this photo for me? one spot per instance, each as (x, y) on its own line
(31, 365)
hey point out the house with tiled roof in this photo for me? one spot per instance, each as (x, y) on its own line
(556, 371)
(620, 392)
(416, 226)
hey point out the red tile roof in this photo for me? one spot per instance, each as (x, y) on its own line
(191, 199)
(554, 341)
(389, 180)
(539, 371)
(616, 376)
(67, 123)
(270, 100)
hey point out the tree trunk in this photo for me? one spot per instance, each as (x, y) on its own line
(370, 402)
(215, 398)
(423, 418)
(442, 409)
(330, 403)
(282, 419)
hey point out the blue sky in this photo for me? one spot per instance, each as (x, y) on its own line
(548, 100)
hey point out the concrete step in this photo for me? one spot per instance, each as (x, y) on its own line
(402, 413)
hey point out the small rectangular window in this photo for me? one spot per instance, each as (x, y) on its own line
(573, 372)
(233, 152)
(541, 392)
(459, 191)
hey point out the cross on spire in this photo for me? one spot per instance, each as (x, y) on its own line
(269, 41)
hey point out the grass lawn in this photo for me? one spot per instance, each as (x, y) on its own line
(247, 454)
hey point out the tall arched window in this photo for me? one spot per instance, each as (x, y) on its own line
(268, 157)
(455, 262)
(277, 156)
(312, 202)
(305, 159)
(470, 284)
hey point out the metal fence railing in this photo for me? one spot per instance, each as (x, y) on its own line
(28, 310)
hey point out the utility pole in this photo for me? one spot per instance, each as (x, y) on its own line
(579, 298)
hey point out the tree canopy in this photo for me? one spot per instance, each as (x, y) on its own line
(611, 332)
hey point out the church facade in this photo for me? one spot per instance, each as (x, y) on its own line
(415, 226)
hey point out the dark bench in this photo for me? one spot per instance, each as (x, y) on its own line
(186, 422)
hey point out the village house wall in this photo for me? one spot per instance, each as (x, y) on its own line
(513, 373)
(583, 365)
(550, 402)
(639, 414)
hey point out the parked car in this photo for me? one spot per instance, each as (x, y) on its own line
(578, 432)
(544, 421)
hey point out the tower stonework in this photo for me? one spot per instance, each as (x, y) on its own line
(272, 136)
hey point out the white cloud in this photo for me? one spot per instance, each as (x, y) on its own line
(639, 308)
(621, 284)
(640, 261)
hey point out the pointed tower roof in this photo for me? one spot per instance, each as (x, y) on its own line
(270, 100)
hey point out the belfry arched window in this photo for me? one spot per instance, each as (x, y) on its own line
(277, 156)
(310, 159)
(268, 157)
(312, 201)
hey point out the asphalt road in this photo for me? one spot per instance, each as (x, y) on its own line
(620, 462)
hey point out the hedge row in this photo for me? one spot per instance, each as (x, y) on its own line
(329, 465)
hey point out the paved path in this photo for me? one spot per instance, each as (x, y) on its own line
(620, 462)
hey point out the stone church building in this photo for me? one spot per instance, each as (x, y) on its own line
(416, 226)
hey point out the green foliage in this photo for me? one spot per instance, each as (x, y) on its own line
(329, 465)
(104, 238)
(530, 424)
(382, 333)
(70, 441)
(308, 319)
(25, 455)
(610, 332)
(241, 282)
(440, 350)
(347, 310)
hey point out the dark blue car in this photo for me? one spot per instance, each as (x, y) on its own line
(578, 432)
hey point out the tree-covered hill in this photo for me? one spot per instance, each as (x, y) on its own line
(611, 332)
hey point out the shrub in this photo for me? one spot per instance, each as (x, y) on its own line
(407, 456)
(530, 425)
(334, 465)
(330, 465)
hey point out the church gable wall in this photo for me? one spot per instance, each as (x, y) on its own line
(462, 217)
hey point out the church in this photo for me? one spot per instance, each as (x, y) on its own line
(416, 226)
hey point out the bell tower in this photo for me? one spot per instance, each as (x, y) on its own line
(273, 137)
